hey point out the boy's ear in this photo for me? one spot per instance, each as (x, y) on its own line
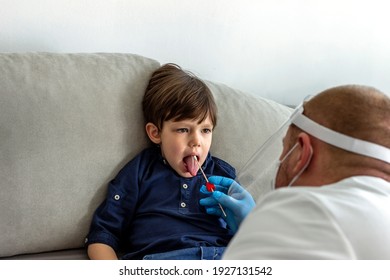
(153, 133)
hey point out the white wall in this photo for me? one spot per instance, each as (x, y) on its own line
(278, 49)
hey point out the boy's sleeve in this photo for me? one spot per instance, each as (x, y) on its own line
(114, 214)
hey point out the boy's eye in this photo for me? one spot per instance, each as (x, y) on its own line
(182, 130)
(207, 130)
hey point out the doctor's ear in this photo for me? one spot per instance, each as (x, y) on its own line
(306, 151)
(153, 133)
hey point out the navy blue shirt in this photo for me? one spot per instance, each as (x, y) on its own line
(150, 209)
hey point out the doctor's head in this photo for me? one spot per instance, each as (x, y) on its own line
(343, 131)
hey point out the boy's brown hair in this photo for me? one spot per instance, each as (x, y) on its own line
(175, 94)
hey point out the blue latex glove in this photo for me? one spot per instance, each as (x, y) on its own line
(236, 201)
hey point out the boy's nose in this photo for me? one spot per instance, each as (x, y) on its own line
(195, 141)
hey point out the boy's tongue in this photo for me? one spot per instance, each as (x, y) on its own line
(191, 165)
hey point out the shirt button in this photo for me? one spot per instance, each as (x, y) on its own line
(183, 204)
(117, 197)
(185, 186)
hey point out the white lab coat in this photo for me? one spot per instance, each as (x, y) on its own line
(346, 220)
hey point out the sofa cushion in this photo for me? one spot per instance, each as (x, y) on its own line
(67, 124)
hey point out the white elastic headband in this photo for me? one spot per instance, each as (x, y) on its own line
(340, 140)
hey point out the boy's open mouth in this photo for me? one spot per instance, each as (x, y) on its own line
(191, 165)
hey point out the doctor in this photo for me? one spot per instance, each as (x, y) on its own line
(332, 197)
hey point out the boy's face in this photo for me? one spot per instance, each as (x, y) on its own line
(181, 140)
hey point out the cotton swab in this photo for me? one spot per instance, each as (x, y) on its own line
(210, 186)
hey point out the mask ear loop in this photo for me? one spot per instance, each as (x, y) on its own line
(288, 153)
(303, 168)
(277, 165)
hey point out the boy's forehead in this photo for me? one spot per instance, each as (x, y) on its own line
(206, 121)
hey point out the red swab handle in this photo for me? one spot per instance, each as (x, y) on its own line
(210, 187)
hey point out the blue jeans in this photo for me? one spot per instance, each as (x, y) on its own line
(196, 253)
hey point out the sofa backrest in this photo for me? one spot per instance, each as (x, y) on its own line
(69, 122)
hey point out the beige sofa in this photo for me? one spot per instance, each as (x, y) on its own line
(69, 122)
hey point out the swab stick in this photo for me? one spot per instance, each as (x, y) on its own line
(210, 186)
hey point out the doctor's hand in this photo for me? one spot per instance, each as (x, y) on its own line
(236, 201)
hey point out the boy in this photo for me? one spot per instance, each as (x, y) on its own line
(152, 207)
